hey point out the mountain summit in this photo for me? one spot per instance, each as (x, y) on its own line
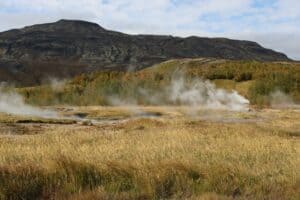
(70, 47)
(66, 26)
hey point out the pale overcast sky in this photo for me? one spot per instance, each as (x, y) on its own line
(272, 23)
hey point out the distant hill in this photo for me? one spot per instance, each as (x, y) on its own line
(70, 47)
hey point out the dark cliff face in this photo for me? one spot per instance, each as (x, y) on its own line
(68, 47)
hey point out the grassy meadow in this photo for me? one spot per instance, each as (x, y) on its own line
(210, 155)
(155, 149)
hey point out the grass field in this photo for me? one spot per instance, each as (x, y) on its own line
(162, 144)
(151, 153)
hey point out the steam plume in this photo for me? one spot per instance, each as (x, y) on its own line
(193, 93)
(13, 103)
(205, 94)
(279, 99)
(57, 84)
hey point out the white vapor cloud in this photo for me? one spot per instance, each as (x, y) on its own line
(13, 103)
(273, 23)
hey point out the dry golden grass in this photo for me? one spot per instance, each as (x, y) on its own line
(173, 156)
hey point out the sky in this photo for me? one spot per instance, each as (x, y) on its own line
(274, 24)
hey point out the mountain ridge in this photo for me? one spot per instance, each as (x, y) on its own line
(69, 47)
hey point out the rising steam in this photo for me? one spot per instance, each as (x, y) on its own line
(192, 93)
(57, 84)
(204, 93)
(13, 103)
(280, 99)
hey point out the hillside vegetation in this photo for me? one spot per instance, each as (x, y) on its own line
(252, 79)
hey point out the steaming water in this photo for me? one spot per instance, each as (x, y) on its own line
(193, 93)
(281, 100)
(13, 103)
(205, 94)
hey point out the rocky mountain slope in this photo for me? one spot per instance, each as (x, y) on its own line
(66, 48)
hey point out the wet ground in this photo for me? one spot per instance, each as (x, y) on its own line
(285, 120)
